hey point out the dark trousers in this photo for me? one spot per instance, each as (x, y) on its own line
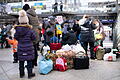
(101, 43)
(36, 55)
(3, 41)
(91, 44)
(45, 41)
(61, 8)
(38, 48)
(15, 56)
(55, 10)
(29, 67)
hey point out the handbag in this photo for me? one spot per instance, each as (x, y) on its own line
(61, 64)
(81, 62)
(45, 66)
(55, 46)
(98, 36)
(100, 53)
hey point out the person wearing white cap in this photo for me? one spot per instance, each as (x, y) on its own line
(25, 35)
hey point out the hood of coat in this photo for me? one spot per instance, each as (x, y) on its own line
(22, 30)
(31, 12)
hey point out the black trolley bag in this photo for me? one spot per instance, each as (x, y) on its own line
(81, 62)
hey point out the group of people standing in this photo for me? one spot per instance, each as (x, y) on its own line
(27, 35)
(83, 30)
(55, 6)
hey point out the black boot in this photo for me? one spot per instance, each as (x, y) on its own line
(22, 74)
(15, 61)
(30, 74)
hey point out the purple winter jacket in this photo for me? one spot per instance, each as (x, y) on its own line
(25, 36)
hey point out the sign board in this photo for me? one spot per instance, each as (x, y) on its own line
(38, 5)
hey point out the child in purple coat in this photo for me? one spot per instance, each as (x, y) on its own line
(25, 36)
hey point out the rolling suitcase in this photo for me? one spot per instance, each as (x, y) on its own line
(81, 62)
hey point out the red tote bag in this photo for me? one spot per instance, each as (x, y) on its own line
(55, 46)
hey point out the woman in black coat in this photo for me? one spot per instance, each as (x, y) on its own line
(87, 35)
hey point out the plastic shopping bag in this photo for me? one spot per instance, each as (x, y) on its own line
(45, 66)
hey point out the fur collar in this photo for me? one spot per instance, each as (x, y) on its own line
(26, 25)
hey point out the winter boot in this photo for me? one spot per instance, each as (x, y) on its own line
(30, 74)
(15, 61)
(22, 73)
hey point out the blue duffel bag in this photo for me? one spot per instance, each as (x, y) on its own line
(45, 66)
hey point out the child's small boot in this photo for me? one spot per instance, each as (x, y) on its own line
(15, 61)
(22, 73)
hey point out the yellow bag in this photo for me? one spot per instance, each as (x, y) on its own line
(98, 36)
(58, 29)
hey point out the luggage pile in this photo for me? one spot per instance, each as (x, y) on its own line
(105, 54)
(67, 57)
(102, 53)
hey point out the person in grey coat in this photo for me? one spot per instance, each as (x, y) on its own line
(25, 37)
(34, 21)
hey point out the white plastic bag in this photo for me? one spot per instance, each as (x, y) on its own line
(77, 48)
(109, 57)
(45, 50)
(66, 47)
